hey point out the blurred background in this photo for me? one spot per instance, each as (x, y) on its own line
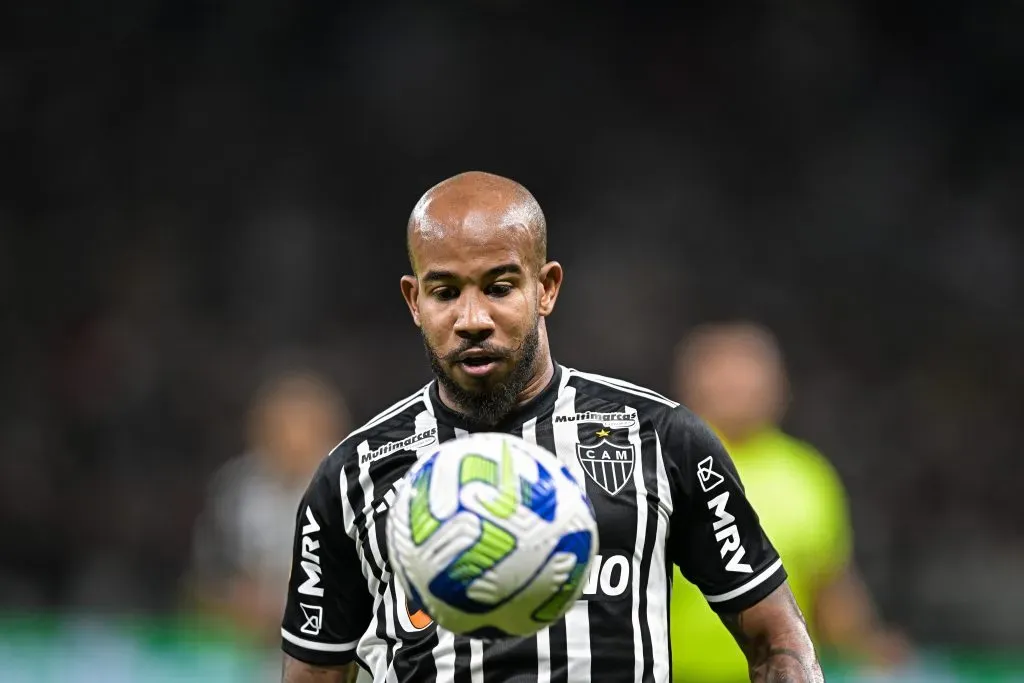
(202, 229)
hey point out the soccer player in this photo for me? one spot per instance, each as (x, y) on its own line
(664, 490)
(733, 376)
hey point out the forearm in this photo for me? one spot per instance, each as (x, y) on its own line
(294, 671)
(773, 636)
(788, 658)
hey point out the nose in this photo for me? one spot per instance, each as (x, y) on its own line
(474, 321)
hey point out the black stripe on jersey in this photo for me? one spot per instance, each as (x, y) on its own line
(463, 657)
(511, 660)
(414, 661)
(558, 645)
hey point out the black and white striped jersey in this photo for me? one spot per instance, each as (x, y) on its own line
(664, 491)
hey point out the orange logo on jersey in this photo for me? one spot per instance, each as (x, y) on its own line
(418, 618)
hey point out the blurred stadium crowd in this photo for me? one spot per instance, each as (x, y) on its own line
(201, 195)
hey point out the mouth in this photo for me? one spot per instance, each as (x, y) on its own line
(478, 365)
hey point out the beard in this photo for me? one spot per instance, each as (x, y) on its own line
(489, 405)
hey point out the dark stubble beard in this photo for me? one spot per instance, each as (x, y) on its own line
(489, 406)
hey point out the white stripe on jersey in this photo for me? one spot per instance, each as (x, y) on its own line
(444, 656)
(319, 647)
(658, 579)
(476, 661)
(543, 636)
(749, 585)
(577, 619)
(627, 387)
(641, 537)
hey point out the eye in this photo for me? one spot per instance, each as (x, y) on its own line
(499, 289)
(445, 293)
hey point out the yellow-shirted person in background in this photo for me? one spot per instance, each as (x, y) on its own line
(732, 375)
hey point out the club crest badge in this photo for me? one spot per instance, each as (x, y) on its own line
(607, 464)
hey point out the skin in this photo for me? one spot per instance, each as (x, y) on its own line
(481, 283)
(773, 636)
(294, 671)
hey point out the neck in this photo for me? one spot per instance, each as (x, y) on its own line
(539, 379)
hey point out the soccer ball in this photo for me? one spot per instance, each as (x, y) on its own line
(492, 536)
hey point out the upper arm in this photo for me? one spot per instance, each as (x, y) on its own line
(328, 604)
(295, 671)
(715, 537)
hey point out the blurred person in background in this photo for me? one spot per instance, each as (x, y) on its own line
(242, 540)
(732, 375)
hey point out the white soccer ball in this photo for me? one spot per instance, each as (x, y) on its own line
(492, 536)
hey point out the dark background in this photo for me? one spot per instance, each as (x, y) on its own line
(194, 191)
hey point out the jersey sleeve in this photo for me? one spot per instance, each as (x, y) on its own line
(328, 606)
(715, 537)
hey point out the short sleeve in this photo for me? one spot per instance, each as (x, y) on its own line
(329, 605)
(715, 537)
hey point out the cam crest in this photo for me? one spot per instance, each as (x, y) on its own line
(607, 464)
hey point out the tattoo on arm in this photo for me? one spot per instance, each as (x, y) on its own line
(773, 636)
(294, 671)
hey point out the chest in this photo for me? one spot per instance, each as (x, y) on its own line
(613, 455)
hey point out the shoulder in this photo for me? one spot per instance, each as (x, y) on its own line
(395, 423)
(594, 390)
(677, 427)
(670, 418)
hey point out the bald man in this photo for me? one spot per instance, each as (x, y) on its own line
(663, 489)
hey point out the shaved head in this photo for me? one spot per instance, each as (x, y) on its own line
(479, 201)
(480, 290)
